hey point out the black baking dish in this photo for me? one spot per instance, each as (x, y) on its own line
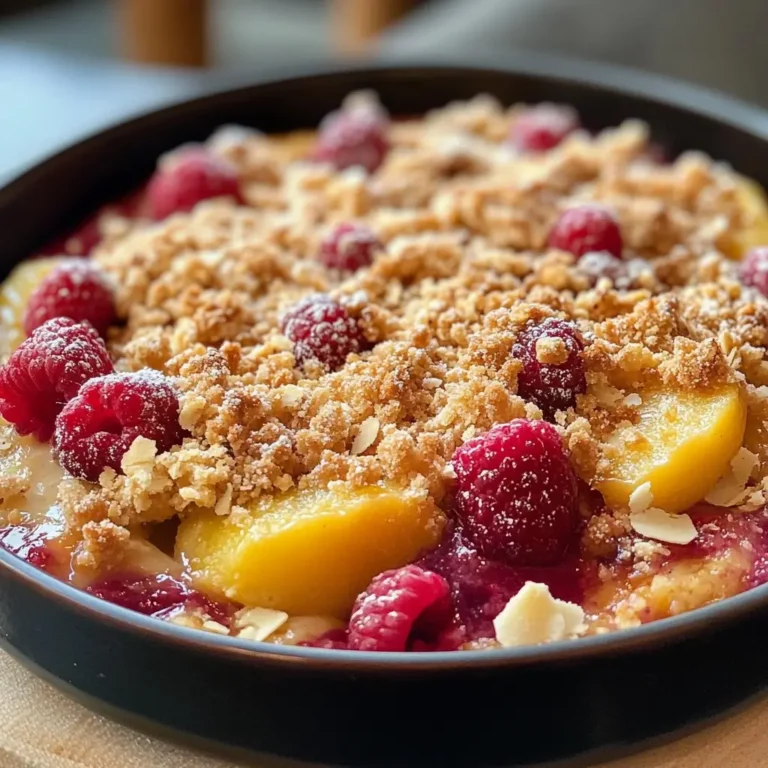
(575, 701)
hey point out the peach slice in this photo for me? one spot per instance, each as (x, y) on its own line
(14, 294)
(754, 202)
(308, 552)
(682, 445)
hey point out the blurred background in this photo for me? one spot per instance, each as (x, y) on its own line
(68, 67)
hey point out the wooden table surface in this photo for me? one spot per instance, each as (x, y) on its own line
(41, 728)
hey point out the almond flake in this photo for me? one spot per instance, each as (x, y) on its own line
(661, 526)
(533, 616)
(214, 626)
(641, 498)
(633, 400)
(369, 431)
(140, 457)
(224, 504)
(743, 464)
(731, 490)
(259, 623)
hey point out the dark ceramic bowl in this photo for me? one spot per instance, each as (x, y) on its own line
(574, 701)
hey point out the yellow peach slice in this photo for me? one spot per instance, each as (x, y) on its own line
(14, 294)
(310, 552)
(682, 445)
(754, 203)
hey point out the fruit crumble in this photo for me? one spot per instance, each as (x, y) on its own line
(475, 380)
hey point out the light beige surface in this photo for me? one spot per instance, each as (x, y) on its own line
(42, 728)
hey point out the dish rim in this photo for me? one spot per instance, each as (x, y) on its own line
(619, 80)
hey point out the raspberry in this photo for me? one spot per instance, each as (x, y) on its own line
(355, 136)
(75, 289)
(27, 544)
(480, 588)
(587, 228)
(349, 246)
(96, 428)
(553, 386)
(517, 493)
(321, 329)
(46, 371)
(190, 174)
(334, 639)
(542, 127)
(161, 595)
(754, 269)
(385, 613)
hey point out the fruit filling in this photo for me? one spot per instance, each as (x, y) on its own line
(474, 380)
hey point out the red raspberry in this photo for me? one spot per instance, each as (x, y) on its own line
(349, 246)
(385, 613)
(96, 428)
(753, 271)
(353, 136)
(160, 596)
(517, 493)
(29, 545)
(321, 329)
(542, 127)
(552, 386)
(587, 228)
(190, 175)
(75, 289)
(480, 588)
(46, 371)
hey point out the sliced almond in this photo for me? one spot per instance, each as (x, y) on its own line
(533, 616)
(743, 464)
(139, 457)
(661, 526)
(731, 489)
(224, 504)
(641, 498)
(258, 623)
(366, 437)
(214, 626)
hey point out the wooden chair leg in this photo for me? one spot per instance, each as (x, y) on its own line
(173, 32)
(357, 23)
